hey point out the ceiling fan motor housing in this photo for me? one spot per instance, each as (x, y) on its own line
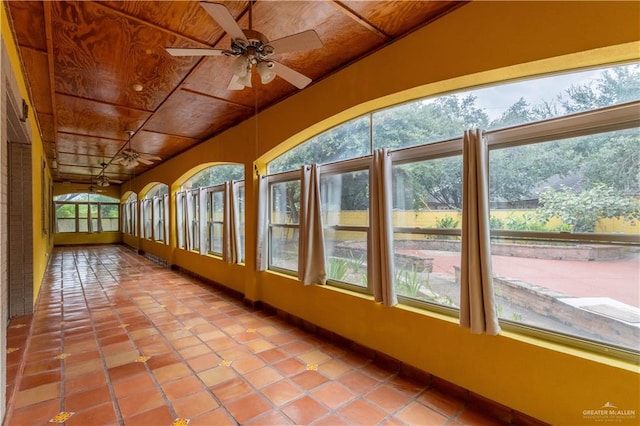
(255, 48)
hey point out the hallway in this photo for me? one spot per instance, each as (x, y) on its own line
(117, 339)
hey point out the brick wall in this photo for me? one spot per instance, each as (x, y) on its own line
(4, 305)
(20, 230)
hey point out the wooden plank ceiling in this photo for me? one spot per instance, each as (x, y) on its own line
(84, 60)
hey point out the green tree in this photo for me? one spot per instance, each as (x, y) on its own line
(582, 210)
(215, 175)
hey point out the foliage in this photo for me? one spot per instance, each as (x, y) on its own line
(523, 222)
(357, 262)
(495, 223)
(582, 210)
(516, 173)
(447, 222)
(337, 269)
(408, 283)
(348, 140)
(215, 175)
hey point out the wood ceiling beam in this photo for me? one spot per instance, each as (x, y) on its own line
(180, 84)
(226, 101)
(347, 11)
(52, 80)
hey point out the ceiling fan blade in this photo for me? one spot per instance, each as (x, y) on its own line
(149, 157)
(292, 76)
(221, 15)
(144, 161)
(114, 181)
(194, 52)
(117, 160)
(234, 84)
(305, 40)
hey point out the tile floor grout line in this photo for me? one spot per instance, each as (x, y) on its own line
(168, 402)
(189, 303)
(103, 361)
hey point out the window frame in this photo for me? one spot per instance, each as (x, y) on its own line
(89, 218)
(616, 117)
(352, 165)
(278, 178)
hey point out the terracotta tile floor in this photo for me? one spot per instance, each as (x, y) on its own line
(117, 339)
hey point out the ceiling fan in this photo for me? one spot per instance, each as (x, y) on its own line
(252, 49)
(130, 158)
(102, 179)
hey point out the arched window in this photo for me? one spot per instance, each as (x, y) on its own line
(154, 213)
(86, 212)
(130, 215)
(564, 181)
(209, 202)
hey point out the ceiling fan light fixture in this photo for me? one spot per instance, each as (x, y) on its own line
(265, 69)
(245, 80)
(130, 163)
(241, 66)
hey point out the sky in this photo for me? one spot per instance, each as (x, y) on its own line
(495, 100)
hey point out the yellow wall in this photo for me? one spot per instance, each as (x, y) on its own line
(479, 43)
(42, 243)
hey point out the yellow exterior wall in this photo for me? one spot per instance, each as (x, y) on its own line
(42, 243)
(429, 219)
(479, 43)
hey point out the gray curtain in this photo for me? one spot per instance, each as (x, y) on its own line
(311, 259)
(190, 220)
(262, 227)
(204, 221)
(231, 224)
(166, 218)
(381, 245)
(180, 220)
(477, 307)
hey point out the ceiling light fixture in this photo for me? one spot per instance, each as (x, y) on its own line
(265, 69)
(130, 159)
(252, 49)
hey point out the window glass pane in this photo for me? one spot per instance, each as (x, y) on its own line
(109, 215)
(347, 140)
(66, 217)
(285, 202)
(94, 218)
(556, 95)
(427, 194)
(215, 175)
(157, 190)
(345, 198)
(216, 238)
(83, 221)
(158, 215)
(215, 211)
(347, 256)
(587, 184)
(427, 268)
(283, 249)
(195, 221)
(584, 290)
(345, 203)
(426, 121)
(85, 198)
